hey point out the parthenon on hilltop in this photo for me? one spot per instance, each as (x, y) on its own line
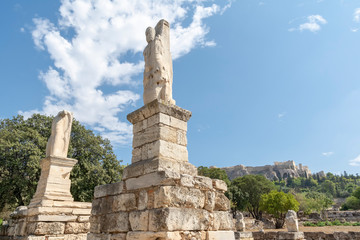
(271, 172)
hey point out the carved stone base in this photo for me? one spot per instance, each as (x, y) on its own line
(52, 213)
(63, 220)
(54, 183)
(161, 196)
(162, 204)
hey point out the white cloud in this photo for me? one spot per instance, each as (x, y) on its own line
(281, 115)
(354, 29)
(327, 154)
(313, 24)
(355, 162)
(88, 45)
(357, 15)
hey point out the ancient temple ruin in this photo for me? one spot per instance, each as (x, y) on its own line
(280, 170)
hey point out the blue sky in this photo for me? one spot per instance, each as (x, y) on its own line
(266, 81)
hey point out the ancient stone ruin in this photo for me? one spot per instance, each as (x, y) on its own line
(52, 213)
(161, 197)
(291, 221)
(271, 172)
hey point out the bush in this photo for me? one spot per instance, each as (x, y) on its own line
(309, 224)
(336, 223)
(321, 224)
(352, 202)
(328, 223)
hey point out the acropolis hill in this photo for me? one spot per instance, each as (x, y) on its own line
(271, 172)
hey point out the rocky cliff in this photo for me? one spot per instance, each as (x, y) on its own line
(271, 172)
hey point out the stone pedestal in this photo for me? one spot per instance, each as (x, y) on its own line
(54, 183)
(52, 213)
(161, 197)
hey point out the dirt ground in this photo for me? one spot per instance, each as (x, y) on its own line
(327, 229)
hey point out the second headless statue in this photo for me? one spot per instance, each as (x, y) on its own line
(58, 143)
(158, 73)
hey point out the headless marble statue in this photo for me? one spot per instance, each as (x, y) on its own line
(58, 143)
(158, 73)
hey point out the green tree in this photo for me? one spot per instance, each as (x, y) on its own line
(22, 146)
(317, 202)
(214, 173)
(356, 193)
(353, 202)
(294, 183)
(277, 204)
(309, 182)
(303, 202)
(330, 176)
(328, 187)
(246, 191)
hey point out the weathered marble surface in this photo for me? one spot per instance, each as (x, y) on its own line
(58, 143)
(291, 221)
(158, 72)
(240, 222)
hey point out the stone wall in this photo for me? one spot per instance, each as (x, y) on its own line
(348, 216)
(297, 235)
(332, 236)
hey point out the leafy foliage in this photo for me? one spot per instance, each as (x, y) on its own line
(328, 187)
(277, 204)
(214, 173)
(22, 146)
(328, 223)
(313, 201)
(334, 186)
(246, 191)
(318, 201)
(353, 202)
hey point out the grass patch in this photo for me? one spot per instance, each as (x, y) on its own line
(328, 223)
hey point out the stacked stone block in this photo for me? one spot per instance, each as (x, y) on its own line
(56, 220)
(161, 196)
